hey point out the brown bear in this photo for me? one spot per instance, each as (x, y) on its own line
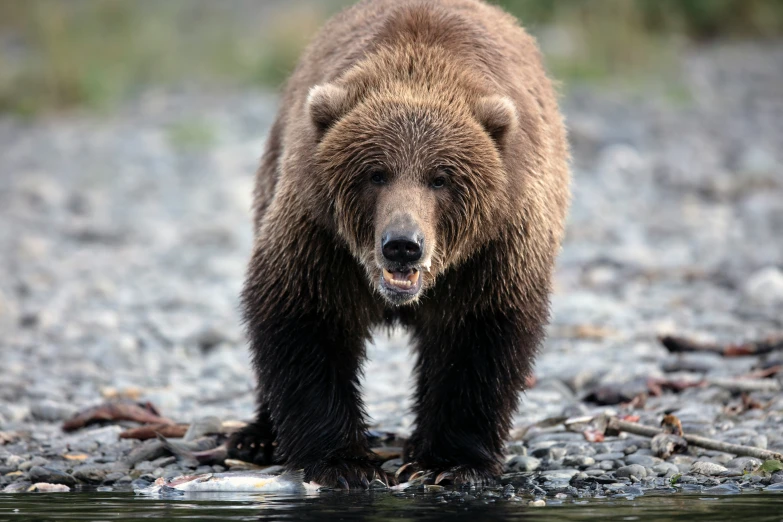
(416, 174)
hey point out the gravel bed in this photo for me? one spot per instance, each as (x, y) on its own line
(123, 245)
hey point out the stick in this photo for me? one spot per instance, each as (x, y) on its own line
(681, 345)
(696, 440)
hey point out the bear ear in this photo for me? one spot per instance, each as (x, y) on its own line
(497, 114)
(326, 104)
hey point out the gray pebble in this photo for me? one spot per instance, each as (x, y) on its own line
(643, 460)
(89, 441)
(607, 465)
(609, 456)
(560, 474)
(727, 488)
(522, 463)
(14, 461)
(36, 461)
(707, 468)
(634, 470)
(113, 477)
(52, 476)
(744, 463)
(50, 411)
(578, 461)
(664, 469)
(91, 474)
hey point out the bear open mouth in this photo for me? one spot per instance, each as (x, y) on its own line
(406, 281)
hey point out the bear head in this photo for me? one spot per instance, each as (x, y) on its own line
(416, 182)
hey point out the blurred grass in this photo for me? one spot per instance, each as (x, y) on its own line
(58, 54)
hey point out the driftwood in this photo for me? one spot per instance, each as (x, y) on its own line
(677, 344)
(614, 423)
(144, 413)
(151, 431)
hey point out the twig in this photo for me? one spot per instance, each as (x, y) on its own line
(696, 440)
(746, 385)
(677, 344)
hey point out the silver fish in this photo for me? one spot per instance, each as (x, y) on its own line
(233, 482)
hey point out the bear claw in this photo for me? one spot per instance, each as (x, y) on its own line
(346, 474)
(455, 476)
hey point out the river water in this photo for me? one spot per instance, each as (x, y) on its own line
(378, 506)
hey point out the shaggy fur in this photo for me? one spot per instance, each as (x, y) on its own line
(437, 115)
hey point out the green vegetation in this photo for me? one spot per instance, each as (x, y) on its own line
(636, 39)
(191, 134)
(93, 53)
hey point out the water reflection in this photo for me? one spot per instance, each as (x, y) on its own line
(378, 506)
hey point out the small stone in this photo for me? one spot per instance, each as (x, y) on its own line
(522, 463)
(537, 503)
(632, 471)
(516, 448)
(727, 488)
(14, 461)
(609, 456)
(778, 486)
(664, 469)
(707, 468)
(90, 474)
(643, 460)
(559, 474)
(633, 448)
(90, 441)
(51, 411)
(50, 475)
(578, 461)
(765, 287)
(744, 463)
(113, 477)
(36, 461)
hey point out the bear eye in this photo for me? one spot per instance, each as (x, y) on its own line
(377, 176)
(440, 180)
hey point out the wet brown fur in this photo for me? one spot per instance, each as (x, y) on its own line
(418, 87)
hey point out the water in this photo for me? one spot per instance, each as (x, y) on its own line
(378, 506)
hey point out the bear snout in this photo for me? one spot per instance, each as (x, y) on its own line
(403, 247)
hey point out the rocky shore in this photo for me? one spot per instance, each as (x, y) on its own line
(123, 241)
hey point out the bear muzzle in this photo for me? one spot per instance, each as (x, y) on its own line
(402, 249)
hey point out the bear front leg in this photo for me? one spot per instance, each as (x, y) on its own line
(309, 369)
(469, 375)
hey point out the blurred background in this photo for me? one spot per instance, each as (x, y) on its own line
(130, 131)
(59, 54)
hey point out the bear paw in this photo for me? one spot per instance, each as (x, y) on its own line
(454, 476)
(346, 473)
(254, 443)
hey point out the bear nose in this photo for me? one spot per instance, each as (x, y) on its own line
(401, 248)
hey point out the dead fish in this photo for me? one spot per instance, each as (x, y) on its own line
(195, 452)
(45, 487)
(233, 482)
